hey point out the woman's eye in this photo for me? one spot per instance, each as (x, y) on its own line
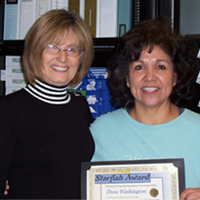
(71, 50)
(161, 67)
(52, 47)
(138, 67)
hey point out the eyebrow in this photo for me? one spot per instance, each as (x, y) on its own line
(163, 60)
(157, 60)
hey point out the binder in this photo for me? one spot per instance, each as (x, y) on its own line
(82, 8)
(42, 6)
(74, 6)
(106, 25)
(90, 15)
(27, 17)
(124, 17)
(11, 20)
(59, 4)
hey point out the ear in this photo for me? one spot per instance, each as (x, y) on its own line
(127, 82)
(174, 79)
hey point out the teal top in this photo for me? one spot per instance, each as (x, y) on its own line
(118, 136)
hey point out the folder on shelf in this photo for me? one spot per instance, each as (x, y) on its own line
(90, 15)
(42, 7)
(59, 4)
(124, 17)
(74, 6)
(11, 20)
(27, 17)
(106, 23)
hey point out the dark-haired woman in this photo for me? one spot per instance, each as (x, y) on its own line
(152, 78)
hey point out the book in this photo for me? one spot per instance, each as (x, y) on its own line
(82, 8)
(14, 78)
(106, 21)
(2, 6)
(90, 15)
(27, 16)
(124, 17)
(59, 4)
(74, 6)
(11, 19)
(42, 6)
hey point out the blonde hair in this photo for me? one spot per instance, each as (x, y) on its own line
(46, 30)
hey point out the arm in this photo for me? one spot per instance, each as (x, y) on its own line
(7, 143)
(190, 194)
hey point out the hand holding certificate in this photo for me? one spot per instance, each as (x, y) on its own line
(147, 179)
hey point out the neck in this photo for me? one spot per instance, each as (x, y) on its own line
(153, 116)
(49, 93)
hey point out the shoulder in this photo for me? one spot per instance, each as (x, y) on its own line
(14, 97)
(11, 105)
(78, 97)
(191, 116)
(80, 104)
(188, 119)
(108, 120)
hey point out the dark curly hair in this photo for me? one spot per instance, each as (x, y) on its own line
(182, 51)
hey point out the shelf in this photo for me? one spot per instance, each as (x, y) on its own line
(103, 49)
(11, 47)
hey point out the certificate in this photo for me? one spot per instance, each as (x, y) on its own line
(140, 179)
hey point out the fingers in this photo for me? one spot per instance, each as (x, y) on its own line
(190, 194)
(6, 188)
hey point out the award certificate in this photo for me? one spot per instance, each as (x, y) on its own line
(146, 179)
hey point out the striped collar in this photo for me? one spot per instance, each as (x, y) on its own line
(49, 93)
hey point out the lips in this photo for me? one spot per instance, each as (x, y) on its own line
(59, 68)
(150, 89)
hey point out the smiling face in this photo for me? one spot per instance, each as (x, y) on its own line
(60, 68)
(151, 78)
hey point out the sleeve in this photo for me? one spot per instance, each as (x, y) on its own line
(7, 143)
(83, 107)
(88, 112)
(99, 130)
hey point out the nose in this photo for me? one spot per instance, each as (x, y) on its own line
(150, 75)
(62, 56)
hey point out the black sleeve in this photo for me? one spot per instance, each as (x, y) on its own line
(7, 141)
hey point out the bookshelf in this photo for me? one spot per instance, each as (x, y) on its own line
(104, 47)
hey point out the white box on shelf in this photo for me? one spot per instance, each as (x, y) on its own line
(15, 82)
(13, 61)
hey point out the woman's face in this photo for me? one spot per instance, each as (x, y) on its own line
(60, 68)
(151, 78)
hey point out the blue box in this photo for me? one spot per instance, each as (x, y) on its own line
(103, 84)
(93, 98)
(95, 115)
(105, 107)
(97, 73)
(92, 84)
(81, 85)
(105, 95)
